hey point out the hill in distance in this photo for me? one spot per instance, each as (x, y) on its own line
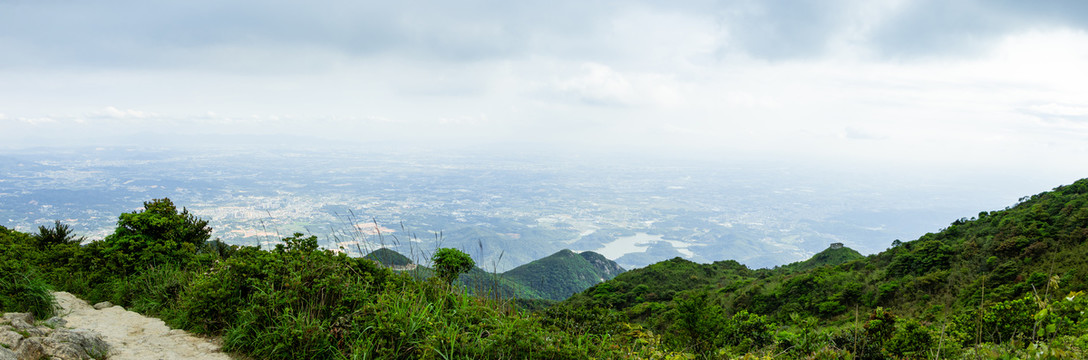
(833, 255)
(555, 277)
(388, 258)
(560, 275)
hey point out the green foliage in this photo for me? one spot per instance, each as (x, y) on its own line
(158, 234)
(562, 274)
(57, 235)
(912, 340)
(986, 287)
(1012, 262)
(388, 257)
(750, 331)
(22, 289)
(828, 257)
(700, 323)
(451, 263)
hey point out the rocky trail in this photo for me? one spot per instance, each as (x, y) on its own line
(82, 331)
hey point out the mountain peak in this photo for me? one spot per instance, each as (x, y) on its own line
(565, 272)
(389, 258)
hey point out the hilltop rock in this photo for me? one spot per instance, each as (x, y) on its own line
(607, 268)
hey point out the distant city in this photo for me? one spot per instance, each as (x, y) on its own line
(503, 210)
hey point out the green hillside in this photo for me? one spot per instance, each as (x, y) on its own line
(555, 277)
(830, 256)
(564, 273)
(292, 301)
(1006, 277)
(388, 257)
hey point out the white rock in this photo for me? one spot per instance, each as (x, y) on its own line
(10, 338)
(6, 354)
(30, 348)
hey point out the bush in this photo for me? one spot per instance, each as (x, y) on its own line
(158, 234)
(451, 263)
(22, 290)
(911, 341)
(58, 235)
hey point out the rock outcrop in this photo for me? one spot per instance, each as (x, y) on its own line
(22, 338)
(133, 336)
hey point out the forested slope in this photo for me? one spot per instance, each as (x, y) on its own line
(986, 279)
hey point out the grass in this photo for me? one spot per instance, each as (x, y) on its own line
(24, 291)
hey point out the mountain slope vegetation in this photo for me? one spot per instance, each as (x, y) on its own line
(830, 256)
(388, 257)
(552, 278)
(1013, 276)
(292, 301)
(564, 273)
(1006, 284)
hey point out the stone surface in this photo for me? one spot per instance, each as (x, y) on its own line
(21, 340)
(30, 348)
(29, 329)
(84, 343)
(134, 336)
(64, 352)
(10, 338)
(56, 322)
(25, 317)
(103, 305)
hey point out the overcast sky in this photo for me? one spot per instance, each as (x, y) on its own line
(999, 84)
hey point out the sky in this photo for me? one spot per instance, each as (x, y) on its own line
(993, 85)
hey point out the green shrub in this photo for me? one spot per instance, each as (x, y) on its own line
(158, 234)
(911, 341)
(451, 263)
(22, 290)
(59, 234)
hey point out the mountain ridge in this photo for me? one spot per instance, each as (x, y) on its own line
(1009, 263)
(554, 277)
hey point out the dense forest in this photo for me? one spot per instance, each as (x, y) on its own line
(1001, 282)
(1005, 284)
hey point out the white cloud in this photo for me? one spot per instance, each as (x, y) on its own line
(1053, 111)
(746, 77)
(861, 134)
(111, 112)
(475, 120)
(37, 120)
(599, 84)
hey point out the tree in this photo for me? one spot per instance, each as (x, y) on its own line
(701, 321)
(155, 235)
(59, 234)
(451, 263)
(160, 220)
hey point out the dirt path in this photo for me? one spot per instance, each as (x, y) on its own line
(134, 336)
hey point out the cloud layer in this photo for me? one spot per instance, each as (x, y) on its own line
(990, 81)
